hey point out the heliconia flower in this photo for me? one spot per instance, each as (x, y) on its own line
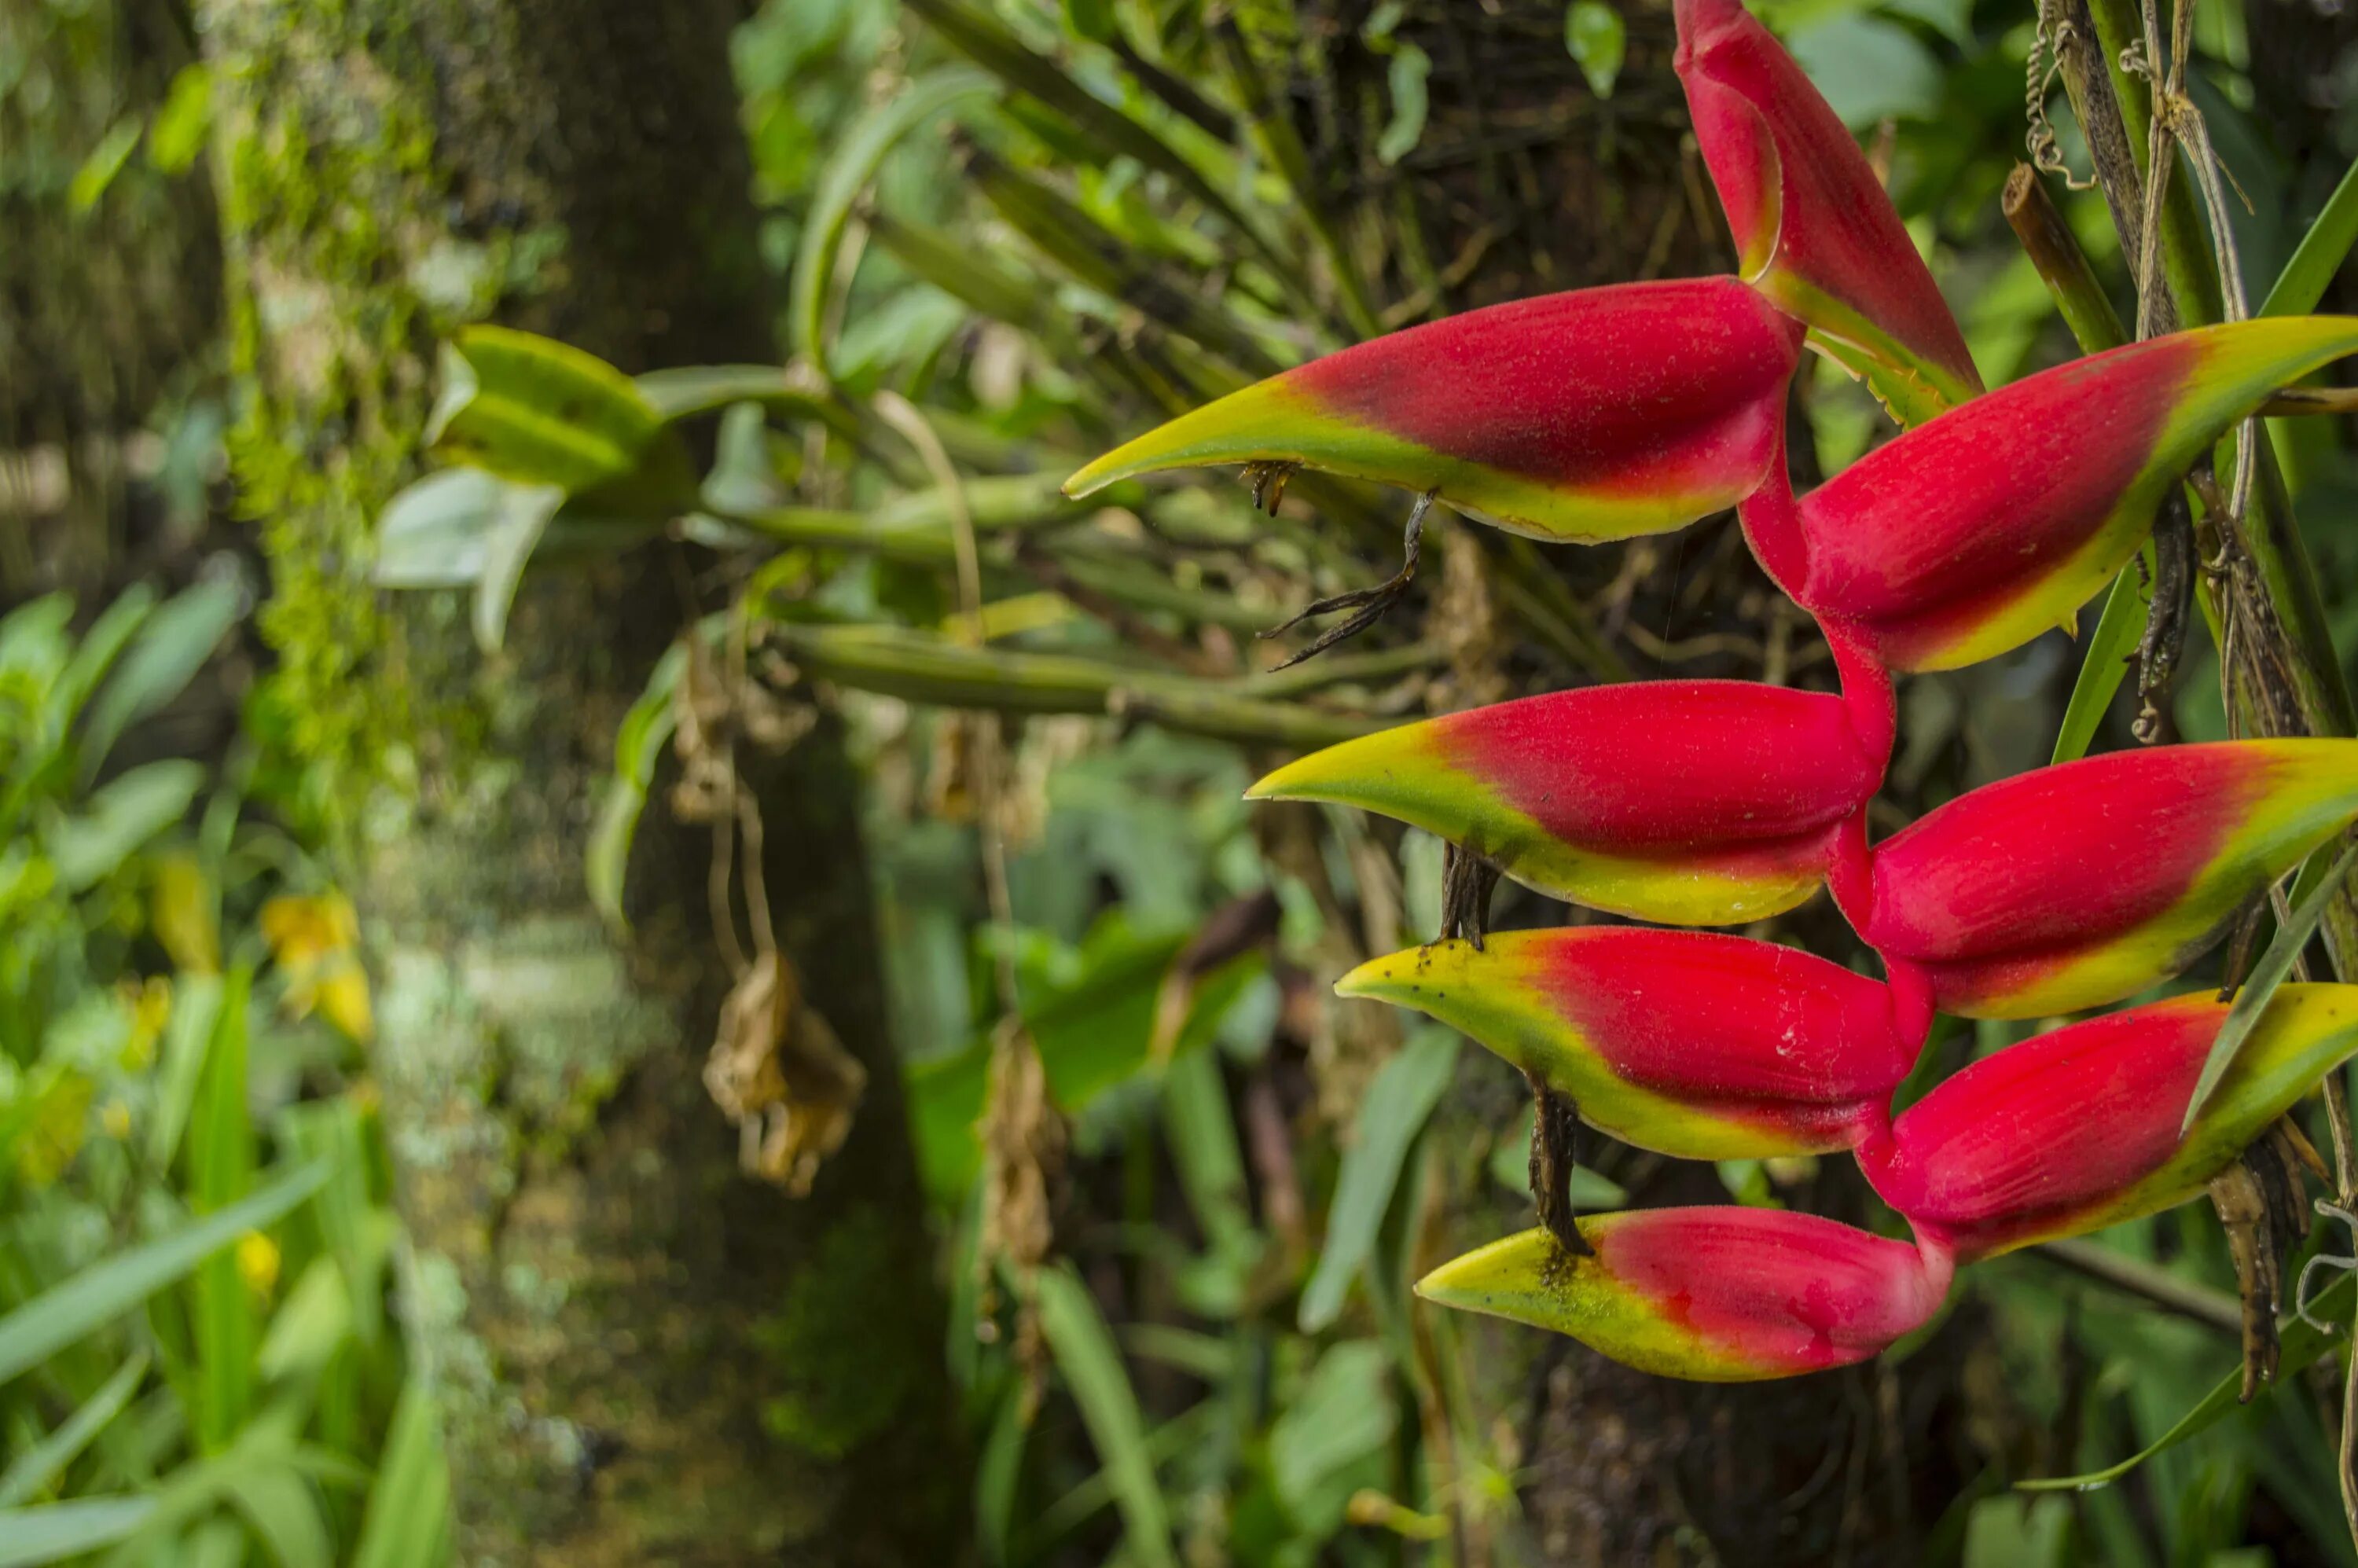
(1600, 414)
(2079, 1128)
(1975, 533)
(1717, 1294)
(1813, 228)
(2074, 886)
(1688, 803)
(1704, 1046)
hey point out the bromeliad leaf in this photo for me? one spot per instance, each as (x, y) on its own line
(535, 411)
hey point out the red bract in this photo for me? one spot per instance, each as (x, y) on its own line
(1692, 802)
(1705, 1046)
(2072, 886)
(1813, 228)
(2079, 1128)
(1721, 1295)
(1975, 534)
(1596, 415)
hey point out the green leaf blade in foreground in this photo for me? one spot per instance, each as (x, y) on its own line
(2106, 664)
(531, 410)
(1084, 1353)
(2301, 1345)
(2274, 965)
(102, 1293)
(1394, 1111)
(58, 1530)
(858, 155)
(2319, 255)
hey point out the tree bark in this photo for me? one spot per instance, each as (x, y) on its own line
(643, 1355)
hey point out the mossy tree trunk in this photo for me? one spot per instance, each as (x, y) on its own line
(644, 1356)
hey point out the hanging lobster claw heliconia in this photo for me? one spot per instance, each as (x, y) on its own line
(1621, 411)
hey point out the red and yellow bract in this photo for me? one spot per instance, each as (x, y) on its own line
(1621, 411)
(1601, 414)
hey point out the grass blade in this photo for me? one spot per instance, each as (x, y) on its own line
(45, 1460)
(2319, 255)
(1084, 1353)
(2106, 663)
(861, 148)
(2265, 975)
(409, 1506)
(60, 1531)
(220, 1172)
(1392, 1114)
(104, 1291)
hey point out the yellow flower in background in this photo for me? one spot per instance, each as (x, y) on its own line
(257, 1262)
(316, 941)
(49, 1137)
(181, 913)
(116, 1119)
(149, 1003)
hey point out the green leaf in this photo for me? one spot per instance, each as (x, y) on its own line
(1090, 19)
(524, 516)
(188, 1038)
(1085, 1354)
(2299, 1346)
(1406, 76)
(1869, 69)
(2106, 663)
(686, 391)
(858, 152)
(2319, 255)
(119, 818)
(46, 1460)
(435, 533)
(408, 1515)
(1345, 1413)
(1391, 1116)
(98, 169)
(638, 747)
(285, 1512)
(998, 1475)
(52, 1534)
(171, 648)
(104, 1291)
(95, 654)
(1598, 41)
(537, 412)
(2268, 974)
(220, 1172)
(176, 134)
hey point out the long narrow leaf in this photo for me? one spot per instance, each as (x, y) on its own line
(104, 1291)
(2267, 975)
(2319, 255)
(858, 153)
(2106, 661)
(1092, 1368)
(409, 1506)
(52, 1534)
(45, 1460)
(2299, 1346)
(1394, 1111)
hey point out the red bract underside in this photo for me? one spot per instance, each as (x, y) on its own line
(1807, 203)
(1661, 768)
(1773, 1285)
(1659, 386)
(1703, 1016)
